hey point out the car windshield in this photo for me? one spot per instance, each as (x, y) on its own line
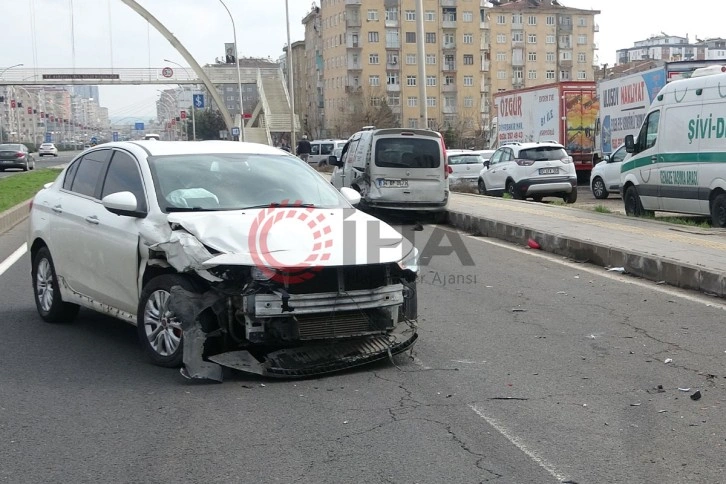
(238, 181)
(407, 153)
(8, 147)
(464, 159)
(543, 153)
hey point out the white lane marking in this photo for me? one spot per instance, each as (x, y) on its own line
(669, 290)
(7, 263)
(561, 477)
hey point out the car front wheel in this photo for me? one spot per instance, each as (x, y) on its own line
(633, 205)
(482, 187)
(598, 188)
(48, 301)
(159, 329)
(718, 211)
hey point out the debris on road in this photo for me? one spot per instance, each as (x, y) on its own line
(696, 396)
(519, 310)
(635, 404)
(617, 269)
(685, 389)
(668, 360)
(533, 244)
(508, 398)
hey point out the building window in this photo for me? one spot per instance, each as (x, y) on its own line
(532, 56)
(581, 75)
(412, 101)
(467, 17)
(532, 38)
(468, 102)
(501, 39)
(410, 59)
(373, 15)
(430, 37)
(564, 75)
(392, 58)
(550, 20)
(448, 15)
(517, 74)
(394, 100)
(501, 20)
(431, 80)
(410, 15)
(413, 123)
(374, 80)
(450, 101)
(392, 14)
(468, 80)
(550, 75)
(581, 57)
(392, 78)
(582, 39)
(501, 74)
(517, 37)
(410, 80)
(431, 102)
(551, 57)
(431, 59)
(582, 22)
(392, 39)
(468, 39)
(566, 55)
(430, 16)
(532, 20)
(372, 37)
(468, 60)
(531, 74)
(550, 39)
(373, 59)
(517, 18)
(410, 37)
(501, 56)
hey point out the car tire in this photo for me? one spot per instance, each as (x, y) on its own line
(46, 291)
(571, 197)
(160, 333)
(512, 191)
(633, 205)
(26, 166)
(481, 186)
(598, 188)
(538, 198)
(718, 211)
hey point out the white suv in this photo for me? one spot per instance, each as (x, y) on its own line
(530, 170)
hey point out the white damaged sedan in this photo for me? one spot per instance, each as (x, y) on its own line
(223, 254)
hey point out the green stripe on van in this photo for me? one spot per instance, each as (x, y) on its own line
(691, 157)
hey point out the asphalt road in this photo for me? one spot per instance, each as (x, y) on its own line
(529, 369)
(43, 162)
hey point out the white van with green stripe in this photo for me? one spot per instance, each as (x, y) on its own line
(678, 161)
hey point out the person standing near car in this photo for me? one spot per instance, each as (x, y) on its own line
(303, 148)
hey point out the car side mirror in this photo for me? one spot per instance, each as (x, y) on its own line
(351, 195)
(486, 164)
(333, 161)
(629, 144)
(122, 203)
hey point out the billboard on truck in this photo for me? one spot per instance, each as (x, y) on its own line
(527, 116)
(624, 101)
(581, 111)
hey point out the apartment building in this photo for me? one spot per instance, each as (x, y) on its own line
(535, 42)
(672, 48)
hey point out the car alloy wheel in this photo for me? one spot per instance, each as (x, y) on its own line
(598, 188)
(482, 187)
(48, 301)
(44, 285)
(162, 328)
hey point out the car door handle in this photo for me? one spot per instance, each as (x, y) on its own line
(92, 219)
(653, 158)
(58, 209)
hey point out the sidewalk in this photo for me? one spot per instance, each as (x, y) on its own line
(681, 256)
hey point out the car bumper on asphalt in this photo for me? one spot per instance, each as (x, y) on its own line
(12, 164)
(44, 153)
(553, 185)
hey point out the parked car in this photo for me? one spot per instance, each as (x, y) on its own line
(47, 149)
(322, 150)
(485, 154)
(465, 166)
(530, 170)
(605, 176)
(197, 245)
(16, 155)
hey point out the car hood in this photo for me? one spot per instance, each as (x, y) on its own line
(286, 237)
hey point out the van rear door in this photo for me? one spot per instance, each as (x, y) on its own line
(409, 168)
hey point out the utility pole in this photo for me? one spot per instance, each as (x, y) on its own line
(423, 101)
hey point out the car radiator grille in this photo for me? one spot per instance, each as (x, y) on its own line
(339, 325)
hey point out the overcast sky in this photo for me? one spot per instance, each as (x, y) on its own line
(107, 33)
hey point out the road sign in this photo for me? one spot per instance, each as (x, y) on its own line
(235, 131)
(183, 115)
(94, 140)
(167, 72)
(48, 137)
(198, 101)
(115, 135)
(248, 116)
(139, 126)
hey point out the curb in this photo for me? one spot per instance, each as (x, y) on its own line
(646, 266)
(13, 216)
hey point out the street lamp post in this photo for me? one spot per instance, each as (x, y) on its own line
(1, 118)
(194, 120)
(290, 79)
(239, 75)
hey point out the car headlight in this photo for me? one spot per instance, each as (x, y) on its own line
(410, 262)
(261, 274)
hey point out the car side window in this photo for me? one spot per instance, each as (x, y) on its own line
(649, 131)
(315, 149)
(495, 157)
(70, 174)
(326, 149)
(618, 156)
(506, 155)
(123, 176)
(89, 173)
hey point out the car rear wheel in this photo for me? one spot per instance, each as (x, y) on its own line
(482, 187)
(571, 197)
(598, 188)
(48, 301)
(537, 198)
(512, 191)
(718, 211)
(26, 166)
(159, 329)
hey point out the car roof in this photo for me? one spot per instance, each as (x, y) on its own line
(524, 146)
(161, 148)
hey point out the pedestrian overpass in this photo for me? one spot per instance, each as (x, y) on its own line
(271, 115)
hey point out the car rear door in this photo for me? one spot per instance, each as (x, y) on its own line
(408, 168)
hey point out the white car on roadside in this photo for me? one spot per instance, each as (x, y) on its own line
(465, 167)
(530, 170)
(605, 176)
(47, 149)
(220, 261)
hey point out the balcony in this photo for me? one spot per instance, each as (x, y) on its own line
(517, 83)
(518, 62)
(564, 27)
(596, 28)
(392, 66)
(353, 45)
(518, 43)
(485, 66)
(449, 109)
(355, 66)
(392, 23)
(449, 66)
(448, 3)
(565, 45)
(353, 22)
(353, 2)
(448, 23)
(448, 87)
(393, 87)
(484, 25)
(353, 89)
(448, 45)
(393, 44)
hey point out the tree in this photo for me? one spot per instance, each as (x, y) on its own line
(209, 124)
(365, 109)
